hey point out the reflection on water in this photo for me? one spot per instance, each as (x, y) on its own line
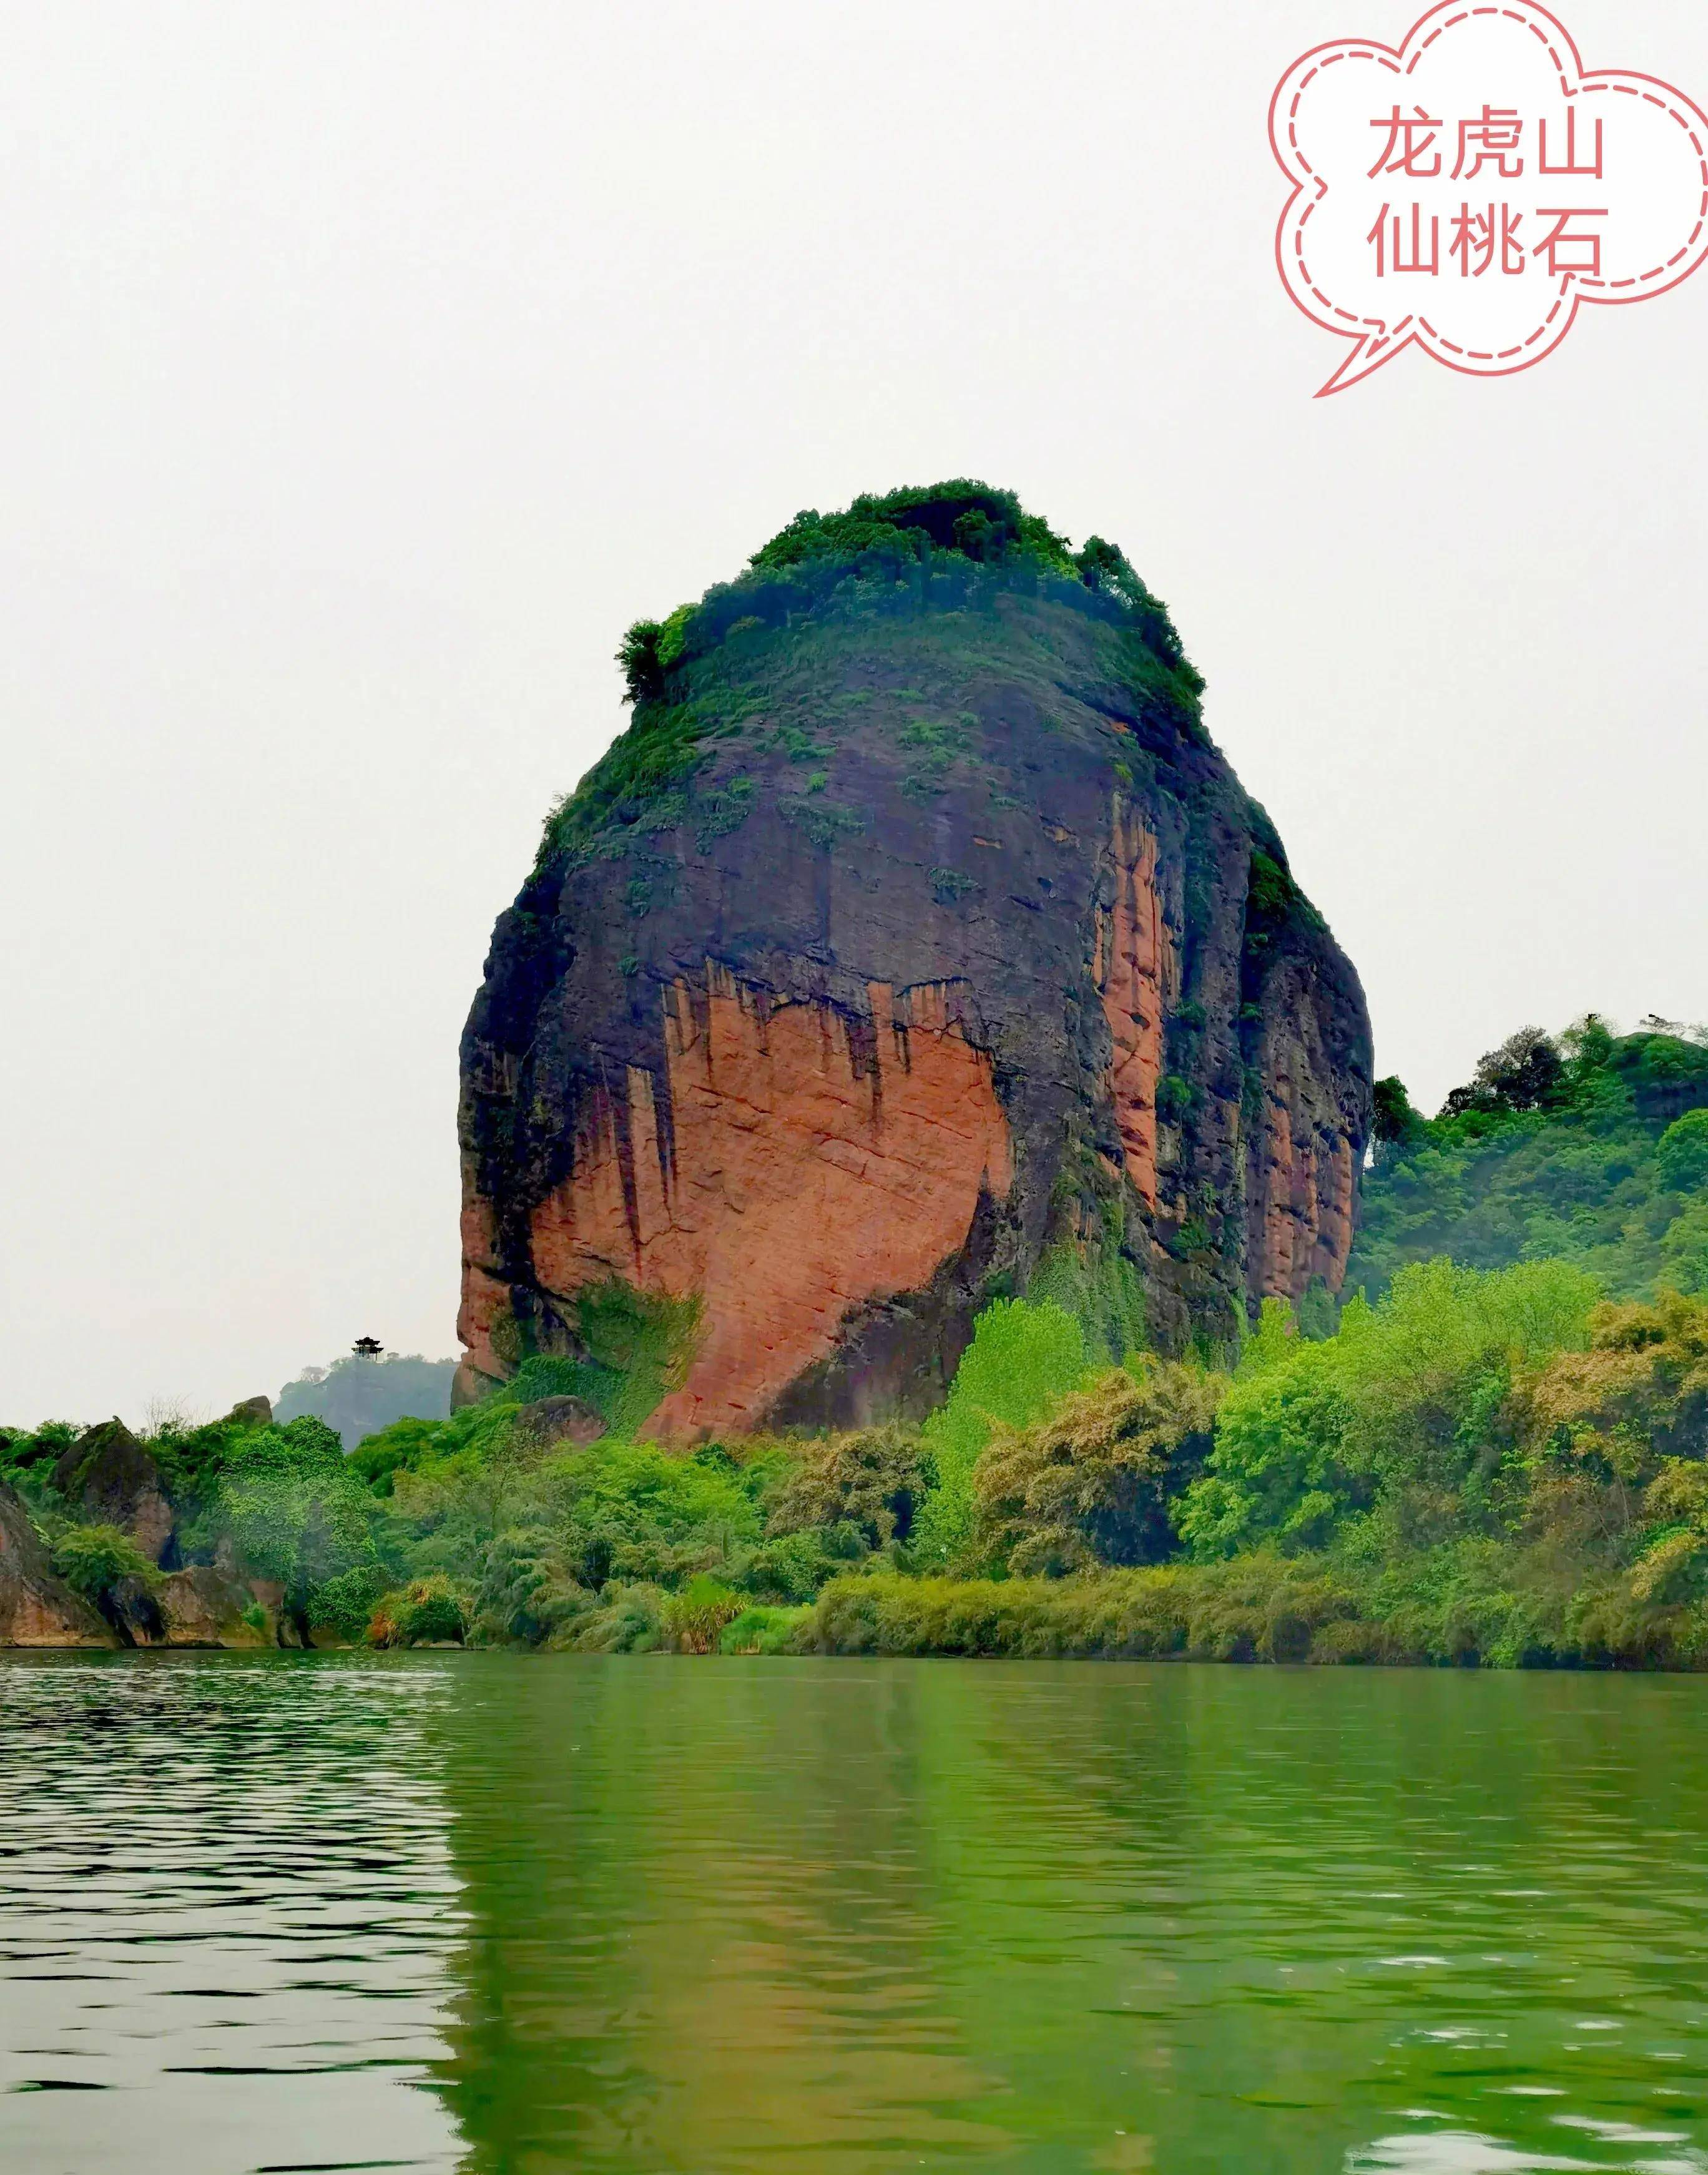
(522, 1915)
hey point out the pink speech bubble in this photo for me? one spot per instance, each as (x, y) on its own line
(1466, 192)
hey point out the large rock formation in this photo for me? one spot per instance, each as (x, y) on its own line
(107, 1477)
(915, 945)
(201, 1606)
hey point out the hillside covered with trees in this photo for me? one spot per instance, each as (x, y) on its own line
(1592, 1148)
(1497, 1453)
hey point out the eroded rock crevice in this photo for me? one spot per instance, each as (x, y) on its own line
(1136, 968)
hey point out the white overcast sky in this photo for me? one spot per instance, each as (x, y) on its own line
(366, 368)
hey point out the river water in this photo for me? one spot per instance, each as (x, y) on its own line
(518, 1915)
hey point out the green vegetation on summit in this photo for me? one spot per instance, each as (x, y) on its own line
(948, 548)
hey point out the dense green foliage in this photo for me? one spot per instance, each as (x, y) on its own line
(1402, 1409)
(97, 1560)
(293, 1509)
(1093, 1481)
(1494, 1468)
(28, 1455)
(1484, 1465)
(1592, 1149)
(1498, 1452)
(1022, 1360)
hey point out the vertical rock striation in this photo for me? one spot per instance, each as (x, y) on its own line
(915, 945)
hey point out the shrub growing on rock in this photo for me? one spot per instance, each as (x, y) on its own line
(99, 1561)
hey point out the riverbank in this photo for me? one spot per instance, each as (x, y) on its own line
(1490, 1610)
(1498, 1467)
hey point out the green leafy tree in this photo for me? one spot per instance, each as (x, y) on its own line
(1637, 1393)
(1023, 1356)
(28, 1455)
(792, 1567)
(1282, 1470)
(1682, 1154)
(1553, 1150)
(1525, 1072)
(1685, 1249)
(871, 1479)
(1410, 1403)
(293, 1509)
(1395, 1123)
(1092, 1483)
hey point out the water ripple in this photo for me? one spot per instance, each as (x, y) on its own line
(189, 1843)
(524, 1916)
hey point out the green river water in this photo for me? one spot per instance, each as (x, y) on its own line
(521, 1915)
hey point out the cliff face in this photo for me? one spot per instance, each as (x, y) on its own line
(913, 946)
(37, 1608)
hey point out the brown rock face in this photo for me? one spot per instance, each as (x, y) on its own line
(951, 947)
(110, 1479)
(1137, 974)
(200, 1606)
(814, 1162)
(38, 1609)
(1303, 1171)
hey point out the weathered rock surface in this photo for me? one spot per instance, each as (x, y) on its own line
(548, 1421)
(948, 959)
(37, 1607)
(202, 1606)
(109, 1478)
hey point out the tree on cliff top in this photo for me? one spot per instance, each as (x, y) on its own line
(896, 537)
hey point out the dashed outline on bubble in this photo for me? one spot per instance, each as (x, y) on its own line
(1575, 287)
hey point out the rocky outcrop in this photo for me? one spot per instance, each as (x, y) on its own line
(549, 1421)
(201, 1606)
(915, 942)
(37, 1607)
(107, 1477)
